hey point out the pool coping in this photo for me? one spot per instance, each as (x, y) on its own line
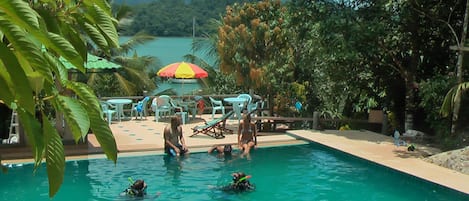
(381, 150)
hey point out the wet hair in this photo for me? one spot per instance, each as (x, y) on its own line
(237, 176)
(138, 188)
(227, 148)
(246, 118)
(175, 122)
(138, 185)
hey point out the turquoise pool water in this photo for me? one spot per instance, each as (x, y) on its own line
(300, 172)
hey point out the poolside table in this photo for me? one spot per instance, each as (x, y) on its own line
(119, 103)
(236, 102)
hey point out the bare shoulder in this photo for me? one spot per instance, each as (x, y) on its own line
(166, 130)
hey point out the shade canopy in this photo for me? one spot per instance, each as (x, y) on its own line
(93, 62)
(182, 70)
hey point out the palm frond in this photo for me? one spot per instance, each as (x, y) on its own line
(137, 39)
(451, 97)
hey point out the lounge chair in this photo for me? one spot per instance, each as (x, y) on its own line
(214, 128)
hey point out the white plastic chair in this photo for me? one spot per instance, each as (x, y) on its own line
(108, 110)
(217, 105)
(161, 106)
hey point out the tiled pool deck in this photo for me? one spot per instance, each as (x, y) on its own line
(138, 137)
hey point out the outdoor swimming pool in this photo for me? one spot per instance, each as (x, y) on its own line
(300, 172)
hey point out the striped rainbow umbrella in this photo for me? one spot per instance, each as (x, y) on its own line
(182, 70)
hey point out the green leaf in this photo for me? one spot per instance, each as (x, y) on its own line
(102, 4)
(57, 66)
(5, 84)
(104, 23)
(85, 93)
(451, 97)
(75, 115)
(22, 92)
(95, 35)
(20, 12)
(76, 38)
(31, 127)
(55, 157)
(67, 51)
(103, 133)
(28, 52)
(27, 19)
(36, 80)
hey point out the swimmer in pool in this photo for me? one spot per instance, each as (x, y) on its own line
(221, 149)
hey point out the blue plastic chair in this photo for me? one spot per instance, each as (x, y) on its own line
(397, 139)
(140, 108)
(247, 103)
(217, 105)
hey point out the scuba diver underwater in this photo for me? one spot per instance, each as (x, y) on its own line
(240, 183)
(137, 188)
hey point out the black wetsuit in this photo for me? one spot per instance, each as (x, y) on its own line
(239, 187)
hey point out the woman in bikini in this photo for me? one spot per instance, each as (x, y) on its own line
(247, 134)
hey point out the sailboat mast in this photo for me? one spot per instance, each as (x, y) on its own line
(193, 28)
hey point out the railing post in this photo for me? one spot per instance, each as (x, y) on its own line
(315, 120)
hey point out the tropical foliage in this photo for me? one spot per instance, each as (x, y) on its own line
(34, 34)
(348, 56)
(134, 76)
(253, 44)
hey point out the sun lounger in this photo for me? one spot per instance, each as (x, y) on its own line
(214, 128)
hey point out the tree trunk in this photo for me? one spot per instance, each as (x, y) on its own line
(457, 102)
(409, 103)
(410, 72)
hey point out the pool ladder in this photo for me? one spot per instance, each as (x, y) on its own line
(13, 136)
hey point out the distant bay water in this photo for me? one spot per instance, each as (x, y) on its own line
(170, 50)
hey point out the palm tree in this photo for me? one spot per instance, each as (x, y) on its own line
(134, 76)
(452, 97)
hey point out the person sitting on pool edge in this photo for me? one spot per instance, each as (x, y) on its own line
(240, 183)
(175, 144)
(221, 149)
(137, 189)
(247, 135)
